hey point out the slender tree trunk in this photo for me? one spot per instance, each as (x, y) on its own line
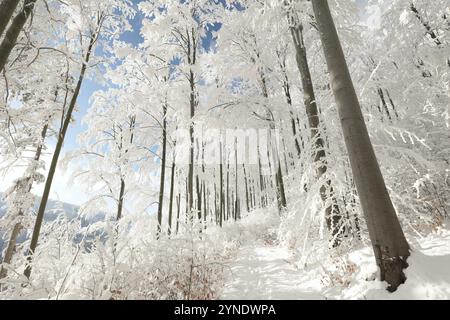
(389, 244)
(221, 203)
(54, 162)
(247, 198)
(236, 202)
(172, 183)
(16, 26)
(287, 93)
(120, 201)
(332, 214)
(122, 178)
(192, 58)
(228, 189)
(383, 102)
(163, 170)
(7, 8)
(262, 186)
(205, 209)
(28, 184)
(279, 184)
(198, 187)
(216, 211)
(178, 212)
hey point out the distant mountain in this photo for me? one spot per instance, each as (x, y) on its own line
(54, 209)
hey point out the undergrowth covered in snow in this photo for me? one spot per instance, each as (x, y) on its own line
(128, 262)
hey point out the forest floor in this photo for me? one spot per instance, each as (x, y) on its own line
(264, 270)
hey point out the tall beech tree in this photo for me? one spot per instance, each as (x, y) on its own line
(60, 140)
(332, 214)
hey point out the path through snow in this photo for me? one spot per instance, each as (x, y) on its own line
(262, 271)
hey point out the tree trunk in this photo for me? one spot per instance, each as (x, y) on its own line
(122, 179)
(228, 190)
(120, 201)
(247, 200)
(172, 182)
(287, 93)
(178, 212)
(16, 26)
(221, 202)
(7, 8)
(279, 185)
(54, 162)
(163, 171)
(236, 200)
(192, 59)
(18, 226)
(389, 244)
(332, 214)
(205, 208)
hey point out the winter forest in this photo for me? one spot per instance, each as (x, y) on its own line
(224, 149)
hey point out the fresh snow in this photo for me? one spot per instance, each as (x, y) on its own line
(267, 271)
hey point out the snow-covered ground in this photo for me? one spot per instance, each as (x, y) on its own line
(266, 271)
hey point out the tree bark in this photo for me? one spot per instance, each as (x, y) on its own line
(247, 200)
(178, 212)
(163, 171)
(236, 200)
(54, 162)
(16, 26)
(120, 200)
(221, 202)
(192, 59)
(122, 178)
(172, 183)
(332, 214)
(389, 244)
(7, 8)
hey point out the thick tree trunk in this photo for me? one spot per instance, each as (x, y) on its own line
(389, 244)
(163, 171)
(54, 162)
(7, 8)
(16, 26)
